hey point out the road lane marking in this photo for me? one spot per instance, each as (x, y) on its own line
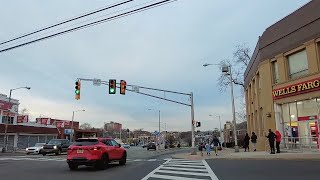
(152, 160)
(175, 170)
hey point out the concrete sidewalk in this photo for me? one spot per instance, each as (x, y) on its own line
(259, 155)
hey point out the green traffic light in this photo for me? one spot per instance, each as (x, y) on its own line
(77, 91)
(111, 90)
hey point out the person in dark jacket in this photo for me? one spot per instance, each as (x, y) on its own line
(271, 137)
(216, 143)
(254, 140)
(246, 142)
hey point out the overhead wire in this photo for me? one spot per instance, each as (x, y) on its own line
(69, 20)
(161, 3)
(23, 40)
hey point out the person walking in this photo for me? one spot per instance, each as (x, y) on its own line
(208, 149)
(246, 142)
(278, 140)
(254, 140)
(271, 137)
(201, 148)
(216, 143)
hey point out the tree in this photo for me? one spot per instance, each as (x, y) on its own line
(239, 63)
(24, 111)
(85, 126)
(186, 137)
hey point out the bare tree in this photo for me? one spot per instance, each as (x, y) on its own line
(239, 63)
(85, 126)
(24, 111)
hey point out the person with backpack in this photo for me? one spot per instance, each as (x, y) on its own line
(216, 143)
(254, 140)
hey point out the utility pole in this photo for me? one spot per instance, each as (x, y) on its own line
(193, 151)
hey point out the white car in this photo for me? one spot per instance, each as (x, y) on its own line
(36, 149)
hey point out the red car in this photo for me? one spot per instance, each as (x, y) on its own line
(97, 152)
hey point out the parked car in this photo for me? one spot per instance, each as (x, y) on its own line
(56, 146)
(152, 146)
(97, 152)
(125, 145)
(36, 149)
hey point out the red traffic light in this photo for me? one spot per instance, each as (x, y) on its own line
(123, 86)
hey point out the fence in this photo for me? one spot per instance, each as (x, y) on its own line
(297, 144)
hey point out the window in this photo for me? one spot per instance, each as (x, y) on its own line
(275, 72)
(10, 121)
(298, 64)
(107, 142)
(114, 143)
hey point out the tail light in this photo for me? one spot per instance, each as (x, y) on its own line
(95, 148)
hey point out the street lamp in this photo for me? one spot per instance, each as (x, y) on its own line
(219, 120)
(72, 131)
(5, 142)
(227, 70)
(159, 121)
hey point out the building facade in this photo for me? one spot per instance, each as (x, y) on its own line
(282, 80)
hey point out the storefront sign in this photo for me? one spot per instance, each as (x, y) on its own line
(5, 105)
(23, 119)
(295, 89)
(307, 118)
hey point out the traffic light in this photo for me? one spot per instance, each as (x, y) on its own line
(77, 91)
(198, 124)
(112, 86)
(123, 86)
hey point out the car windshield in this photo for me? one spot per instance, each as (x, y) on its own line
(55, 142)
(85, 142)
(39, 144)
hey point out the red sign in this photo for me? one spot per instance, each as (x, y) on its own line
(296, 89)
(307, 118)
(23, 119)
(5, 105)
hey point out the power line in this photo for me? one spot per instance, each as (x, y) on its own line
(93, 23)
(69, 26)
(66, 21)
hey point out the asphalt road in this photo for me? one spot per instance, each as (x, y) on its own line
(150, 165)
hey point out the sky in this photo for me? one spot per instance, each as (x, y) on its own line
(162, 48)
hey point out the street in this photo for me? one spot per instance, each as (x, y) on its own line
(143, 164)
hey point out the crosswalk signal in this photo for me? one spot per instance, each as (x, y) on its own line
(198, 124)
(77, 91)
(112, 86)
(123, 86)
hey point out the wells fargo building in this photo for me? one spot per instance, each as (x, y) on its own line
(282, 80)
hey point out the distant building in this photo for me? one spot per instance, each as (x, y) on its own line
(113, 126)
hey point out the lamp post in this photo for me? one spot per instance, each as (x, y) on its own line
(219, 120)
(159, 122)
(5, 142)
(72, 131)
(227, 70)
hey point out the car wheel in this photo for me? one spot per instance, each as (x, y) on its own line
(28, 153)
(123, 160)
(43, 154)
(103, 163)
(72, 166)
(147, 149)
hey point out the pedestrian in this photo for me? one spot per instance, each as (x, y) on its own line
(271, 137)
(278, 140)
(216, 143)
(254, 140)
(246, 142)
(201, 148)
(208, 149)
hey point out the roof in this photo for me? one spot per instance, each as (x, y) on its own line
(290, 32)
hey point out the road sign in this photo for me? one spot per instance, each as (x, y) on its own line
(135, 89)
(96, 82)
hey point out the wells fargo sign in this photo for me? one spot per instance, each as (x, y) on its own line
(295, 89)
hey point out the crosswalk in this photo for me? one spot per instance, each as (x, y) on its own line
(182, 169)
(63, 159)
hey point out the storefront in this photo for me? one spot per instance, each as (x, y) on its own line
(297, 109)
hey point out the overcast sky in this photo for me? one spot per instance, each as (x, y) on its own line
(162, 48)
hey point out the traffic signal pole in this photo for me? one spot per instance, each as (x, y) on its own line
(191, 105)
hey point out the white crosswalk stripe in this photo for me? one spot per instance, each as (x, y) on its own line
(182, 169)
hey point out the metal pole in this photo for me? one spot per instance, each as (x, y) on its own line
(5, 142)
(71, 135)
(236, 147)
(193, 152)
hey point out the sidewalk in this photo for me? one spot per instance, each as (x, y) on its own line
(259, 155)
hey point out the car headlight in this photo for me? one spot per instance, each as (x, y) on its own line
(27, 149)
(54, 147)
